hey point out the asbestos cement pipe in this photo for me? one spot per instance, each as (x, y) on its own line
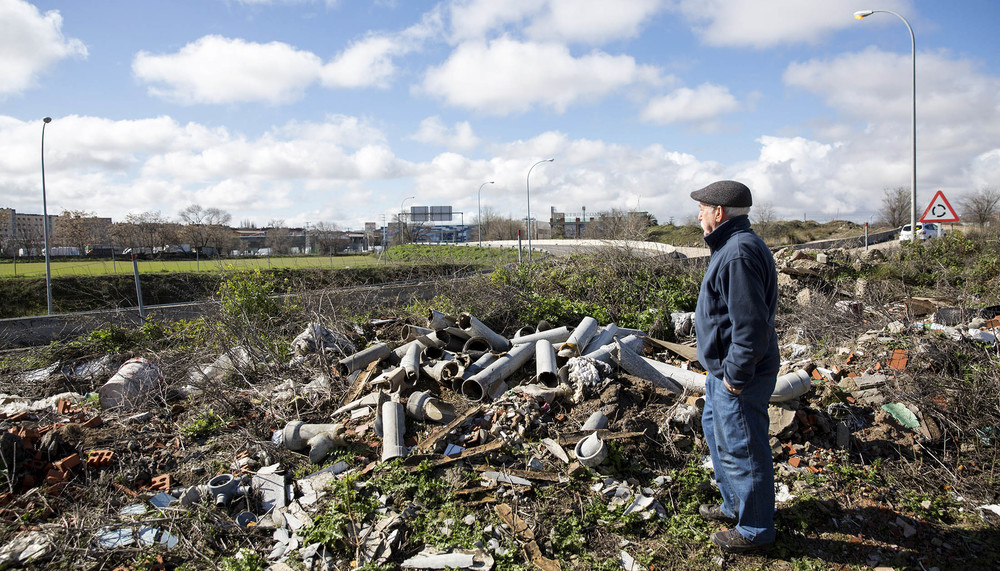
(603, 354)
(573, 347)
(634, 364)
(442, 371)
(395, 377)
(789, 386)
(485, 360)
(476, 328)
(691, 381)
(363, 358)
(476, 345)
(545, 363)
(526, 330)
(393, 429)
(437, 338)
(411, 332)
(604, 336)
(626, 331)
(411, 363)
(554, 336)
(439, 320)
(490, 381)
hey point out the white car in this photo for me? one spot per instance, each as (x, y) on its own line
(925, 230)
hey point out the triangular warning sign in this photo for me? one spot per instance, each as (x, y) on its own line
(939, 210)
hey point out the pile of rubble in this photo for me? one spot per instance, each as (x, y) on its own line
(538, 408)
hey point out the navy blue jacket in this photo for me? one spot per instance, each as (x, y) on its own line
(734, 319)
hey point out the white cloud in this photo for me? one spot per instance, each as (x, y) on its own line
(578, 21)
(370, 62)
(476, 19)
(685, 105)
(115, 167)
(958, 111)
(30, 42)
(365, 63)
(215, 69)
(764, 24)
(508, 76)
(433, 131)
(592, 21)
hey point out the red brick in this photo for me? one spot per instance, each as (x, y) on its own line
(898, 359)
(161, 482)
(127, 490)
(795, 461)
(68, 463)
(23, 415)
(55, 476)
(93, 422)
(99, 458)
(64, 406)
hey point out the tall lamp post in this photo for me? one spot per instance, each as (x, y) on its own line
(527, 187)
(45, 224)
(481, 211)
(913, 50)
(400, 221)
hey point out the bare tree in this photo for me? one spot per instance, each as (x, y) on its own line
(278, 237)
(146, 232)
(895, 206)
(326, 237)
(206, 227)
(617, 224)
(981, 206)
(79, 229)
(500, 228)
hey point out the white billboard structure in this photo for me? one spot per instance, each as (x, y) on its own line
(436, 232)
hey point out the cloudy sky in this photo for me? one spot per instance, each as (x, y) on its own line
(341, 110)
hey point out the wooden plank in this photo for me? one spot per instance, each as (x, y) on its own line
(686, 352)
(427, 445)
(526, 537)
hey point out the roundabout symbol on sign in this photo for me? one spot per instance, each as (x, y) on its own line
(939, 210)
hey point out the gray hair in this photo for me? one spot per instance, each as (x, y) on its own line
(734, 211)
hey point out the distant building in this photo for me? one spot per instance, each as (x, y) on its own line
(16, 225)
(568, 224)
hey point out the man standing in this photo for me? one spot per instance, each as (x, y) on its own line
(738, 346)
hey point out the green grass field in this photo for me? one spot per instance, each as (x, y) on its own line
(80, 267)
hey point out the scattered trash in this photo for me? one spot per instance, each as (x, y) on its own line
(135, 383)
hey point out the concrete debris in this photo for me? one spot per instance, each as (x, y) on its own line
(137, 382)
(456, 395)
(783, 420)
(27, 547)
(430, 558)
(629, 563)
(319, 339)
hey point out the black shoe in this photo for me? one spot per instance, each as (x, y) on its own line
(732, 541)
(713, 512)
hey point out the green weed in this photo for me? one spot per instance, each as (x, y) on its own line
(203, 425)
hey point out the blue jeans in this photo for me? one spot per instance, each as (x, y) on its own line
(736, 432)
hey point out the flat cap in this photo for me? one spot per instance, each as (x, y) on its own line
(724, 193)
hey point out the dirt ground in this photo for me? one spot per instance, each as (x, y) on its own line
(859, 485)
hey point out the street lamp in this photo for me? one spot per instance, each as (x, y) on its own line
(400, 221)
(913, 50)
(527, 187)
(45, 224)
(481, 211)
